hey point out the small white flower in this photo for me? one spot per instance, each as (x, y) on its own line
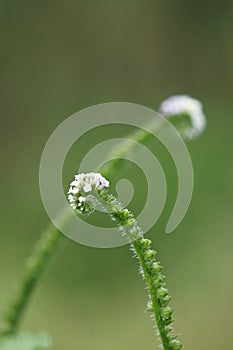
(70, 198)
(83, 185)
(87, 188)
(184, 104)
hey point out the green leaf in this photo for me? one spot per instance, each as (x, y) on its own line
(26, 341)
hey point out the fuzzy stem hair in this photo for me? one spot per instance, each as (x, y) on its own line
(150, 269)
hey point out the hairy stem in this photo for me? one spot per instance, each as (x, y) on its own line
(141, 136)
(150, 268)
(35, 265)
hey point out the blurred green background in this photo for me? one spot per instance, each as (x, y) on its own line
(58, 57)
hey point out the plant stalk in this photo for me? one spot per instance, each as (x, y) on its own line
(47, 244)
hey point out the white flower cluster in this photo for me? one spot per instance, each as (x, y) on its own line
(81, 186)
(184, 104)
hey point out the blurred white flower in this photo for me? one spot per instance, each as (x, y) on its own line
(185, 105)
(81, 186)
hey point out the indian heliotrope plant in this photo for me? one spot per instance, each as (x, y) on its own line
(91, 188)
(86, 193)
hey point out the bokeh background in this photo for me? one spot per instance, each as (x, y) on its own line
(58, 57)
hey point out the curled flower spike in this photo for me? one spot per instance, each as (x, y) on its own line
(90, 189)
(84, 192)
(81, 186)
(185, 106)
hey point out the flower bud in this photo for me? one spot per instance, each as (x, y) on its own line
(149, 255)
(176, 344)
(146, 243)
(184, 106)
(166, 312)
(81, 187)
(162, 292)
(156, 266)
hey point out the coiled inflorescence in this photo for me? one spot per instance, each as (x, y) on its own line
(188, 108)
(82, 185)
(92, 185)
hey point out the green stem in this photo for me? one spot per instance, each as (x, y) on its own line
(156, 307)
(150, 268)
(140, 136)
(35, 265)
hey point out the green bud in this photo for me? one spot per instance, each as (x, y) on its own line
(149, 254)
(166, 312)
(176, 344)
(146, 243)
(126, 213)
(162, 292)
(168, 321)
(172, 336)
(123, 215)
(165, 300)
(156, 266)
(158, 282)
(130, 221)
